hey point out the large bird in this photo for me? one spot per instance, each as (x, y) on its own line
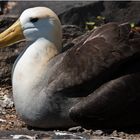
(94, 83)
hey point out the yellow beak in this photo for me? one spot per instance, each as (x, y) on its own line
(12, 35)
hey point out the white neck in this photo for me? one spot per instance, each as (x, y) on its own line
(33, 101)
(29, 75)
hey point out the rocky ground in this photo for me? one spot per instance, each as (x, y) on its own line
(11, 127)
(73, 16)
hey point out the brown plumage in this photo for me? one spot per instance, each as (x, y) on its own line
(102, 72)
(99, 58)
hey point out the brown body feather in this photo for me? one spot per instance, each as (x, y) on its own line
(98, 70)
(102, 55)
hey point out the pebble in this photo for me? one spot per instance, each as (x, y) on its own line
(105, 138)
(98, 132)
(89, 132)
(122, 135)
(2, 121)
(115, 133)
(76, 129)
(6, 102)
(66, 135)
(22, 137)
(2, 110)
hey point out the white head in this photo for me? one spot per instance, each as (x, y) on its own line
(34, 23)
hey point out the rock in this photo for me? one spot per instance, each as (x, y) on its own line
(106, 138)
(57, 6)
(2, 121)
(98, 132)
(7, 102)
(48, 135)
(76, 129)
(122, 135)
(3, 7)
(80, 15)
(115, 133)
(113, 11)
(23, 137)
(68, 135)
(88, 132)
(70, 32)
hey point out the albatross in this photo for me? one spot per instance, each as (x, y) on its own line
(95, 83)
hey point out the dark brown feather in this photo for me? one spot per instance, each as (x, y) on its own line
(101, 71)
(97, 58)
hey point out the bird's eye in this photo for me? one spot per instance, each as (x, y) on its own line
(34, 20)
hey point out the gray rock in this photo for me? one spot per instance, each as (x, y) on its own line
(98, 132)
(76, 129)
